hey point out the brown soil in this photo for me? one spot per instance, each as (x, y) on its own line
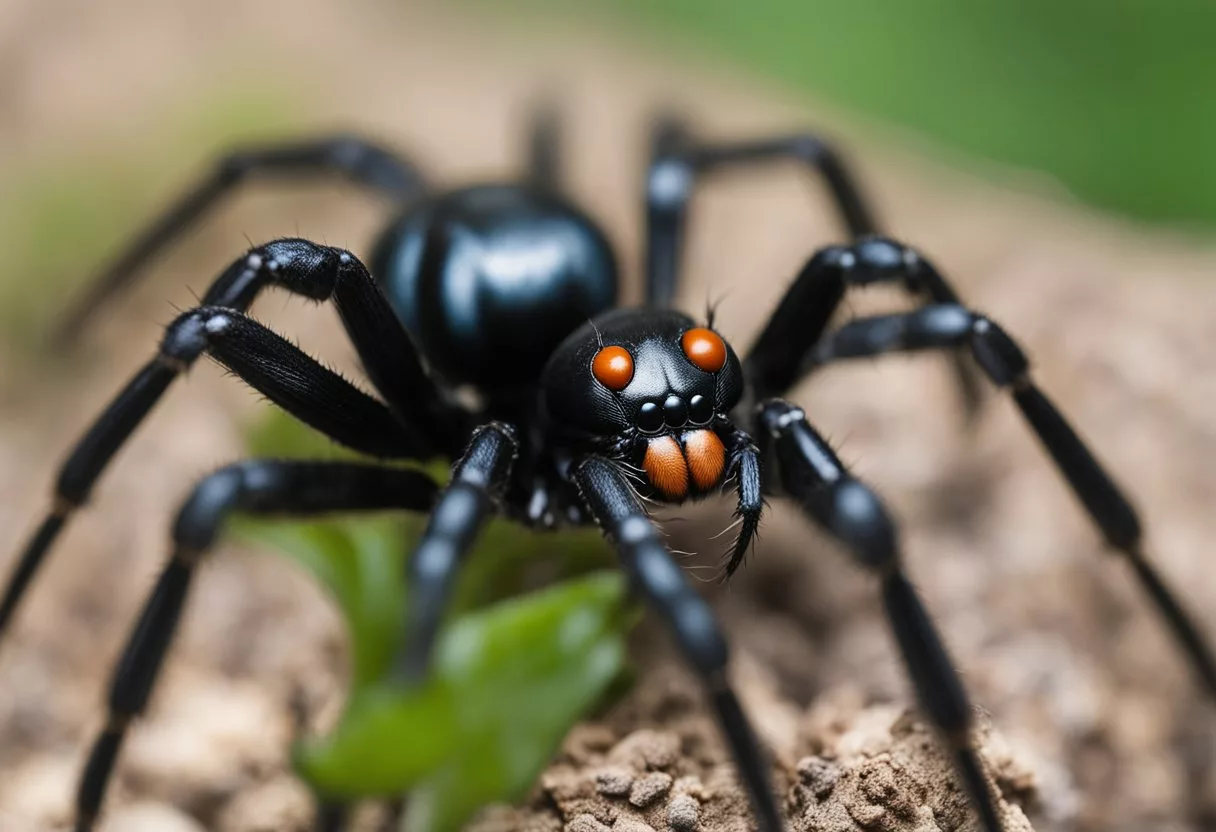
(1095, 722)
(656, 764)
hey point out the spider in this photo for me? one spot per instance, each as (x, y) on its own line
(582, 412)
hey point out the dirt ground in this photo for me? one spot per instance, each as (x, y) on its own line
(1095, 723)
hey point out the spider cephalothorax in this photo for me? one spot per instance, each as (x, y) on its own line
(652, 389)
(579, 411)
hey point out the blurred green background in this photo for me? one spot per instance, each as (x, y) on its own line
(1114, 99)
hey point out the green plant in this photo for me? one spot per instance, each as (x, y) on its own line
(511, 674)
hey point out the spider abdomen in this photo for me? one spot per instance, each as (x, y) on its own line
(490, 279)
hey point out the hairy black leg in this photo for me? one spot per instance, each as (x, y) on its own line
(779, 357)
(678, 162)
(269, 363)
(811, 473)
(257, 487)
(612, 501)
(418, 426)
(545, 147)
(385, 349)
(389, 358)
(744, 468)
(952, 326)
(355, 159)
(290, 378)
(478, 479)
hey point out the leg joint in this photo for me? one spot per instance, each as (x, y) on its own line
(199, 519)
(811, 149)
(878, 260)
(189, 336)
(997, 354)
(858, 519)
(304, 267)
(669, 184)
(234, 167)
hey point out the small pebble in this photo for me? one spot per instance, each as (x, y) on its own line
(683, 813)
(650, 788)
(614, 781)
(585, 823)
(818, 775)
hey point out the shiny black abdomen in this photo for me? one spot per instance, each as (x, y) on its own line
(490, 279)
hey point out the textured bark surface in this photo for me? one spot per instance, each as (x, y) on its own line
(1096, 724)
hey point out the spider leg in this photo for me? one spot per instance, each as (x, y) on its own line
(416, 426)
(455, 522)
(255, 486)
(677, 163)
(952, 326)
(745, 469)
(615, 506)
(350, 157)
(777, 360)
(812, 474)
(545, 146)
(478, 479)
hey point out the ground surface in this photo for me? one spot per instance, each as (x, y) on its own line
(1097, 724)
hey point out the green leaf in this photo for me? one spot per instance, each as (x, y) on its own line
(508, 683)
(389, 739)
(525, 674)
(361, 563)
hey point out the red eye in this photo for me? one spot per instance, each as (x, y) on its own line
(613, 367)
(705, 349)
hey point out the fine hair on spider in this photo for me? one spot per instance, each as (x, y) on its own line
(585, 410)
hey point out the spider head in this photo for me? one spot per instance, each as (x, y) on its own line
(649, 383)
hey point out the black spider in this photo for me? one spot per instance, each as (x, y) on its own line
(584, 410)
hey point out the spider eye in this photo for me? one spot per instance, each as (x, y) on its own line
(704, 348)
(650, 418)
(700, 410)
(613, 367)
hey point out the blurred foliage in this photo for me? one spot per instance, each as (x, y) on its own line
(510, 678)
(1112, 99)
(509, 682)
(62, 220)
